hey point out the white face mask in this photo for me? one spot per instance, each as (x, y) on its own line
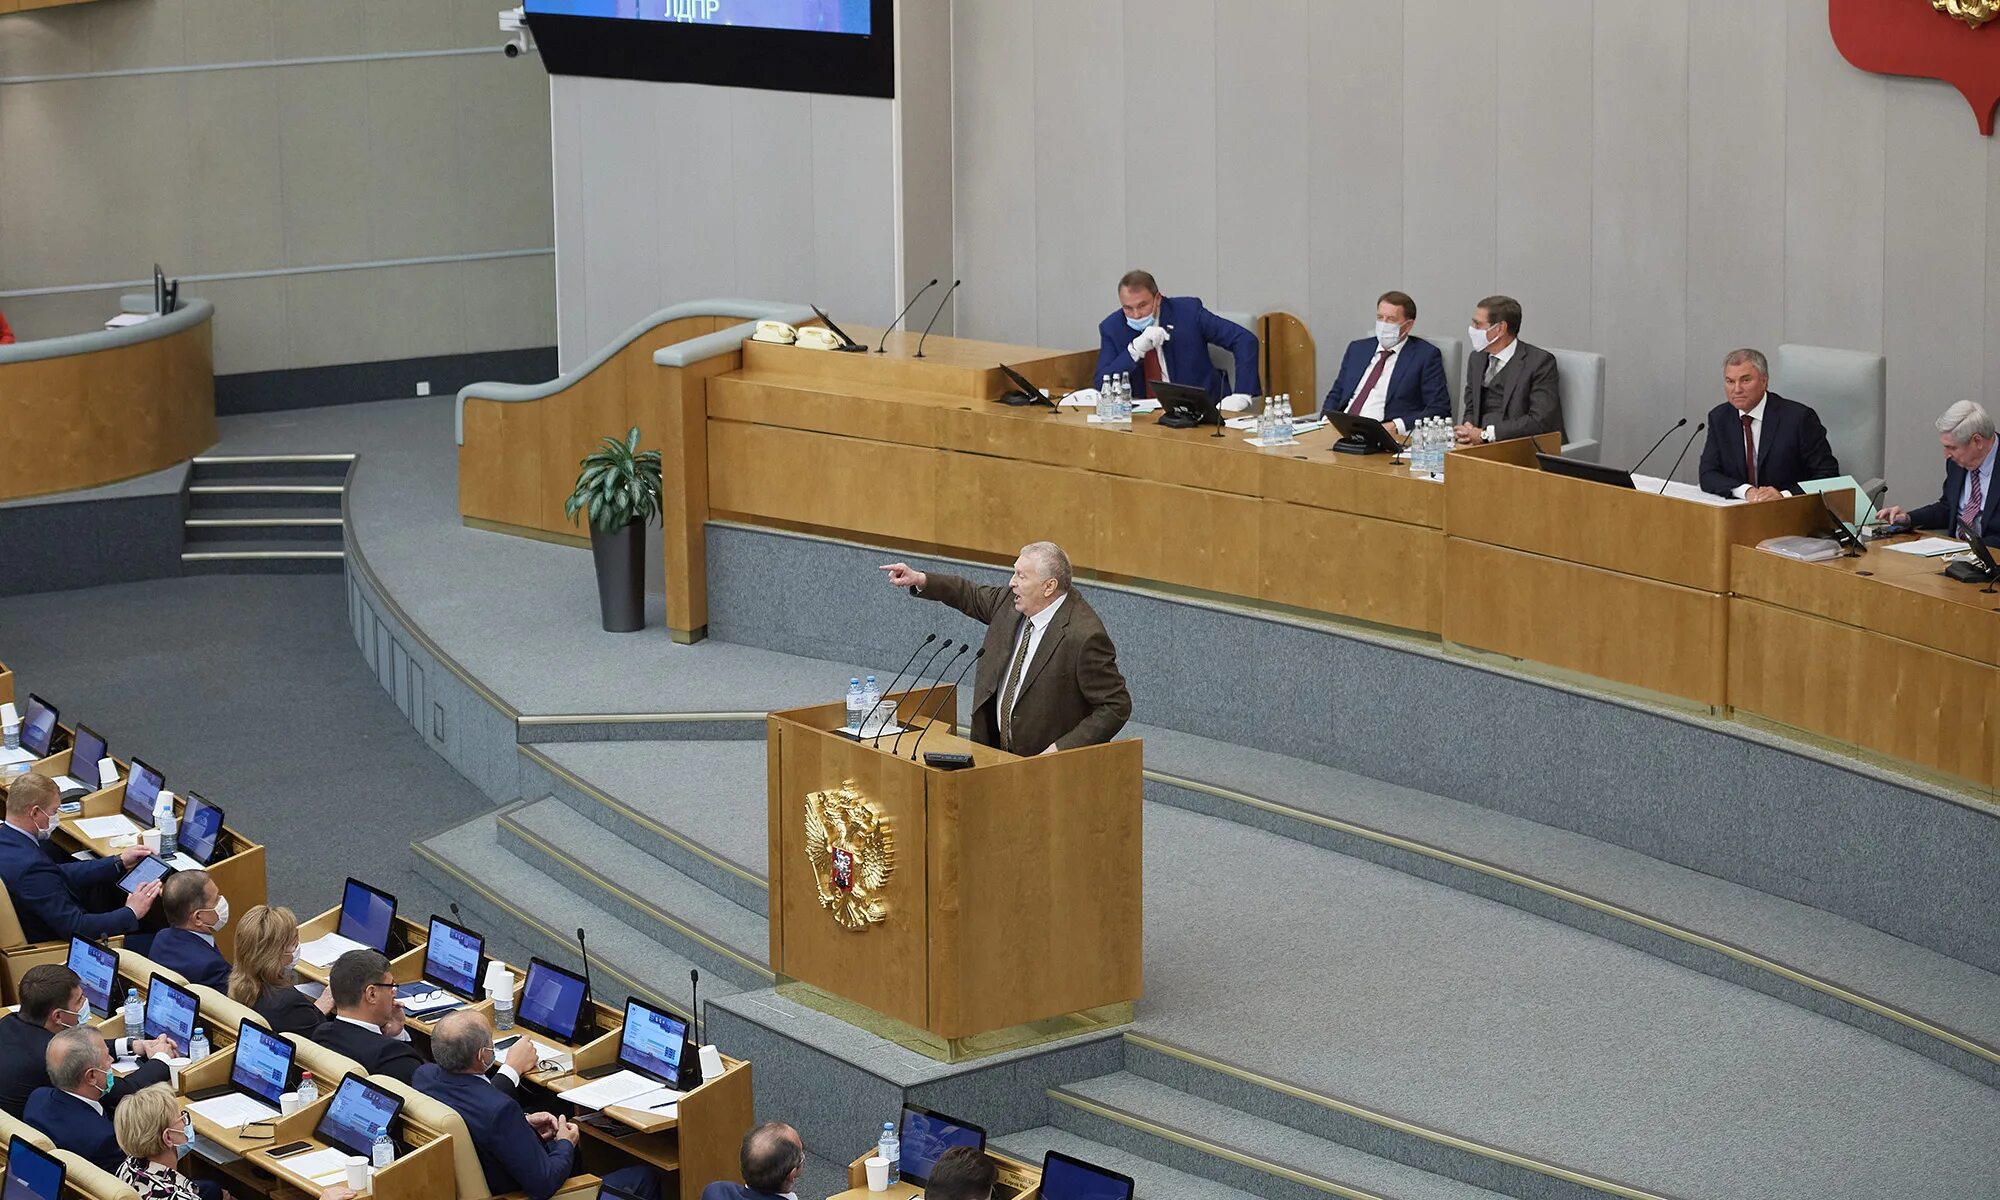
(221, 913)
(291, 960)
(1480, 338)
(1388, 333)
(55, 823)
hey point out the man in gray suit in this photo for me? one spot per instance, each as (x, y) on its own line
(1510, 386)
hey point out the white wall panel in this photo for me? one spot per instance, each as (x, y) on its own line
(1450, 126)
(1542, 168)
(1264, 235)
(994, 81)
(1170, 105)
(1835, 141)
(1080, 138)
(854, 248)
(621, 253)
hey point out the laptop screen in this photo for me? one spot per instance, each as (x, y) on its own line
(1066, 1178)
(263, 1063)
(366, 916)
(451, 957)
(360, 1112)
(170, 1009)
(551, 1000)
(97, 968)
(141, 789)
(85, 749)
(31, 1174)
(201, 823)
(651, 1041)
(38, 727)
(926, 1135)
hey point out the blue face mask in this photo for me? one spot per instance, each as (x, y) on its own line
(1139, 324)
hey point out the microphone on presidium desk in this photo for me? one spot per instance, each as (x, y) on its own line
(1683, 454)
(897, 745)
(589, 1013)
(906, 312)
(916, 679)
(934, 316)
(952, 693)
(1656, 445)
(928, 639)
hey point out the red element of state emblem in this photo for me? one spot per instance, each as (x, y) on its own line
(843, 869)
(1910, 37)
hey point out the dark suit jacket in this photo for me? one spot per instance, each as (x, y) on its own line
(1528, 402)
(24, 1067)
(45, 891)
(286, 1009)
(1071, 693)
(513, 1155)
(1194, 330)
(377, 1055)
(1944, 513)
(192, 957)
(724, 1190)
(1416, 390)
(1791, 447)
(73, 1126)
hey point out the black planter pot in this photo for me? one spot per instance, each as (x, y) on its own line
(620, 555)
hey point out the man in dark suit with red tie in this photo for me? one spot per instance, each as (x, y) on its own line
(1392, 377)
(1760, 445)
(1167, 337)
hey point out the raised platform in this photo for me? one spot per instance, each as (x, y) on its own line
(1398, 941)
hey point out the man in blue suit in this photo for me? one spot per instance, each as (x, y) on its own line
(50, 890)
(1965, 433)
(195, 910)
(1158, 337)
(518, 1150)
(71, 1111)
(1760, 445)
(771, 1160)
(1392, 377)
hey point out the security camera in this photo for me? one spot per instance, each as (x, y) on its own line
(515, 21)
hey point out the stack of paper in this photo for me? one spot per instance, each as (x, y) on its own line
(14, 754)
(1929, 547)
(233, 1110)
(628, 1089)
(321, 951)
(422, 1003)
(103, 829)
(321, 1166)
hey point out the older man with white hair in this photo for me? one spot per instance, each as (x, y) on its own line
(1048, 676)
(1965, 433)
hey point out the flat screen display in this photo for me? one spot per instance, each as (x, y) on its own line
(38, 727)
(171, 1009)
(263, 1063)
(451, 958)
(812, 16)
(926, 1135)
(143, 872)
(142, 788)
(651, 1041)
(85, 750)
(360, 1113)
(551, 1000)
(842, 47)
(31, 1174)
(97, 968)
(201, 822)
(1066, 1178)
(366, 915)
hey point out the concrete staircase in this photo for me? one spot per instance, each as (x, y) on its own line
(265, 514)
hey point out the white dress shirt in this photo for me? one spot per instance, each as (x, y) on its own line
(1503, 357)
(1756, 439)
(1031, 629)
(1378, 399)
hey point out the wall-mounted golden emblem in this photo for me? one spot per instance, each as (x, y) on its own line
(1973, 12)
(852, 854)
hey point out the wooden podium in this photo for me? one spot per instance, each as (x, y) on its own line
(959, 913)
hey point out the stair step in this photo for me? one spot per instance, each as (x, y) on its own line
(316, 498)
(469, 865)
(202, 533)
(228, 468)
(1153, 1181)
(262, 558)
(705, 927)
(1236, 1148)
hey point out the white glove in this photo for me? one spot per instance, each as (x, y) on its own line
(1152, 336)
(1236, 402)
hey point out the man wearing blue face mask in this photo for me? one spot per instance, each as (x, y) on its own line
(1167, 337)
(1392, 377)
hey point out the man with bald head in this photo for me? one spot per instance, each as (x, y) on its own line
(1048, 675)
(772, 1158)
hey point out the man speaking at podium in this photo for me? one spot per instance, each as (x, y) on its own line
(1048, 676)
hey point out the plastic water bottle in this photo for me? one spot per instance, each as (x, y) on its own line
(1267, 419)
(198, 1044)
(1419, 448)
(383, 1152)
(163, 820)
(1444, 447)
(10, 733)
(854, 705)
(871, 702)
(308, 1089)
(1124, 413)
(135, 1013)
(890, 1147)
(1104, 399)
(1290, 432)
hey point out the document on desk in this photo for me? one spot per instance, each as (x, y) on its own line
(628, 1088)
(14, 754)
(103, 829)
(321, 951)
(233, 1110)
(1682, 491)
(1930, 547)
(321, 1166)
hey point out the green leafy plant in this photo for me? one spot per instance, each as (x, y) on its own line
(617, 484)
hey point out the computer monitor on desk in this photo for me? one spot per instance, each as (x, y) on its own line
(926, 1135)
(31, 1174)
(367, 916)
(1576, 468)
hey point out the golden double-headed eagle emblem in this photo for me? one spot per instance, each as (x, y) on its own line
(1973, 12)
(852, 853)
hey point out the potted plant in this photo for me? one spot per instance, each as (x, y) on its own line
(618, 489)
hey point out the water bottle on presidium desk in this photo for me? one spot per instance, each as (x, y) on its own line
(890, 1147)
(198, 1044)
(383, 1152)
(163, 820)
(1419, 434)
(871, 702)
(854, 705)
(135, 1013)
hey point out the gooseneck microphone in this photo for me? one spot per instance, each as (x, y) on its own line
(918, 678)
(688, 1078)
(934, 316)
(589, 995)
(1656, 445)
(928, 639)
(1683, 454)
(952, 693)
(897, 745)
(906, 312)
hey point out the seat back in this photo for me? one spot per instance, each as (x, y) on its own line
(88, 1179)
(328, 1066)
(14, 1127)
(11, 936)
(221, 1012)
(435, 1114)
(1850, 390)
(1453, 350)
(1224, 361)
(1580, 388)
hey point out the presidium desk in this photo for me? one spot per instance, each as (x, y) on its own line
(1630, 591)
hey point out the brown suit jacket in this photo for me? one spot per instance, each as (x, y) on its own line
(1071, 693)
(1528, 402)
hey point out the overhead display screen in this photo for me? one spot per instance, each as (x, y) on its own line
(813, 16)
(842, 47)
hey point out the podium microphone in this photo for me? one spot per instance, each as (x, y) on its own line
(928, 639)
(914, 680)
(934, 316)
(953, 693)
(1656, 445)
(589, 995)
(688, 1078)
(906, 312)
(1684, 453)
(897, 745)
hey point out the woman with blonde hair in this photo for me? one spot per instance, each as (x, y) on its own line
(267, 950)
(154, 1130)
